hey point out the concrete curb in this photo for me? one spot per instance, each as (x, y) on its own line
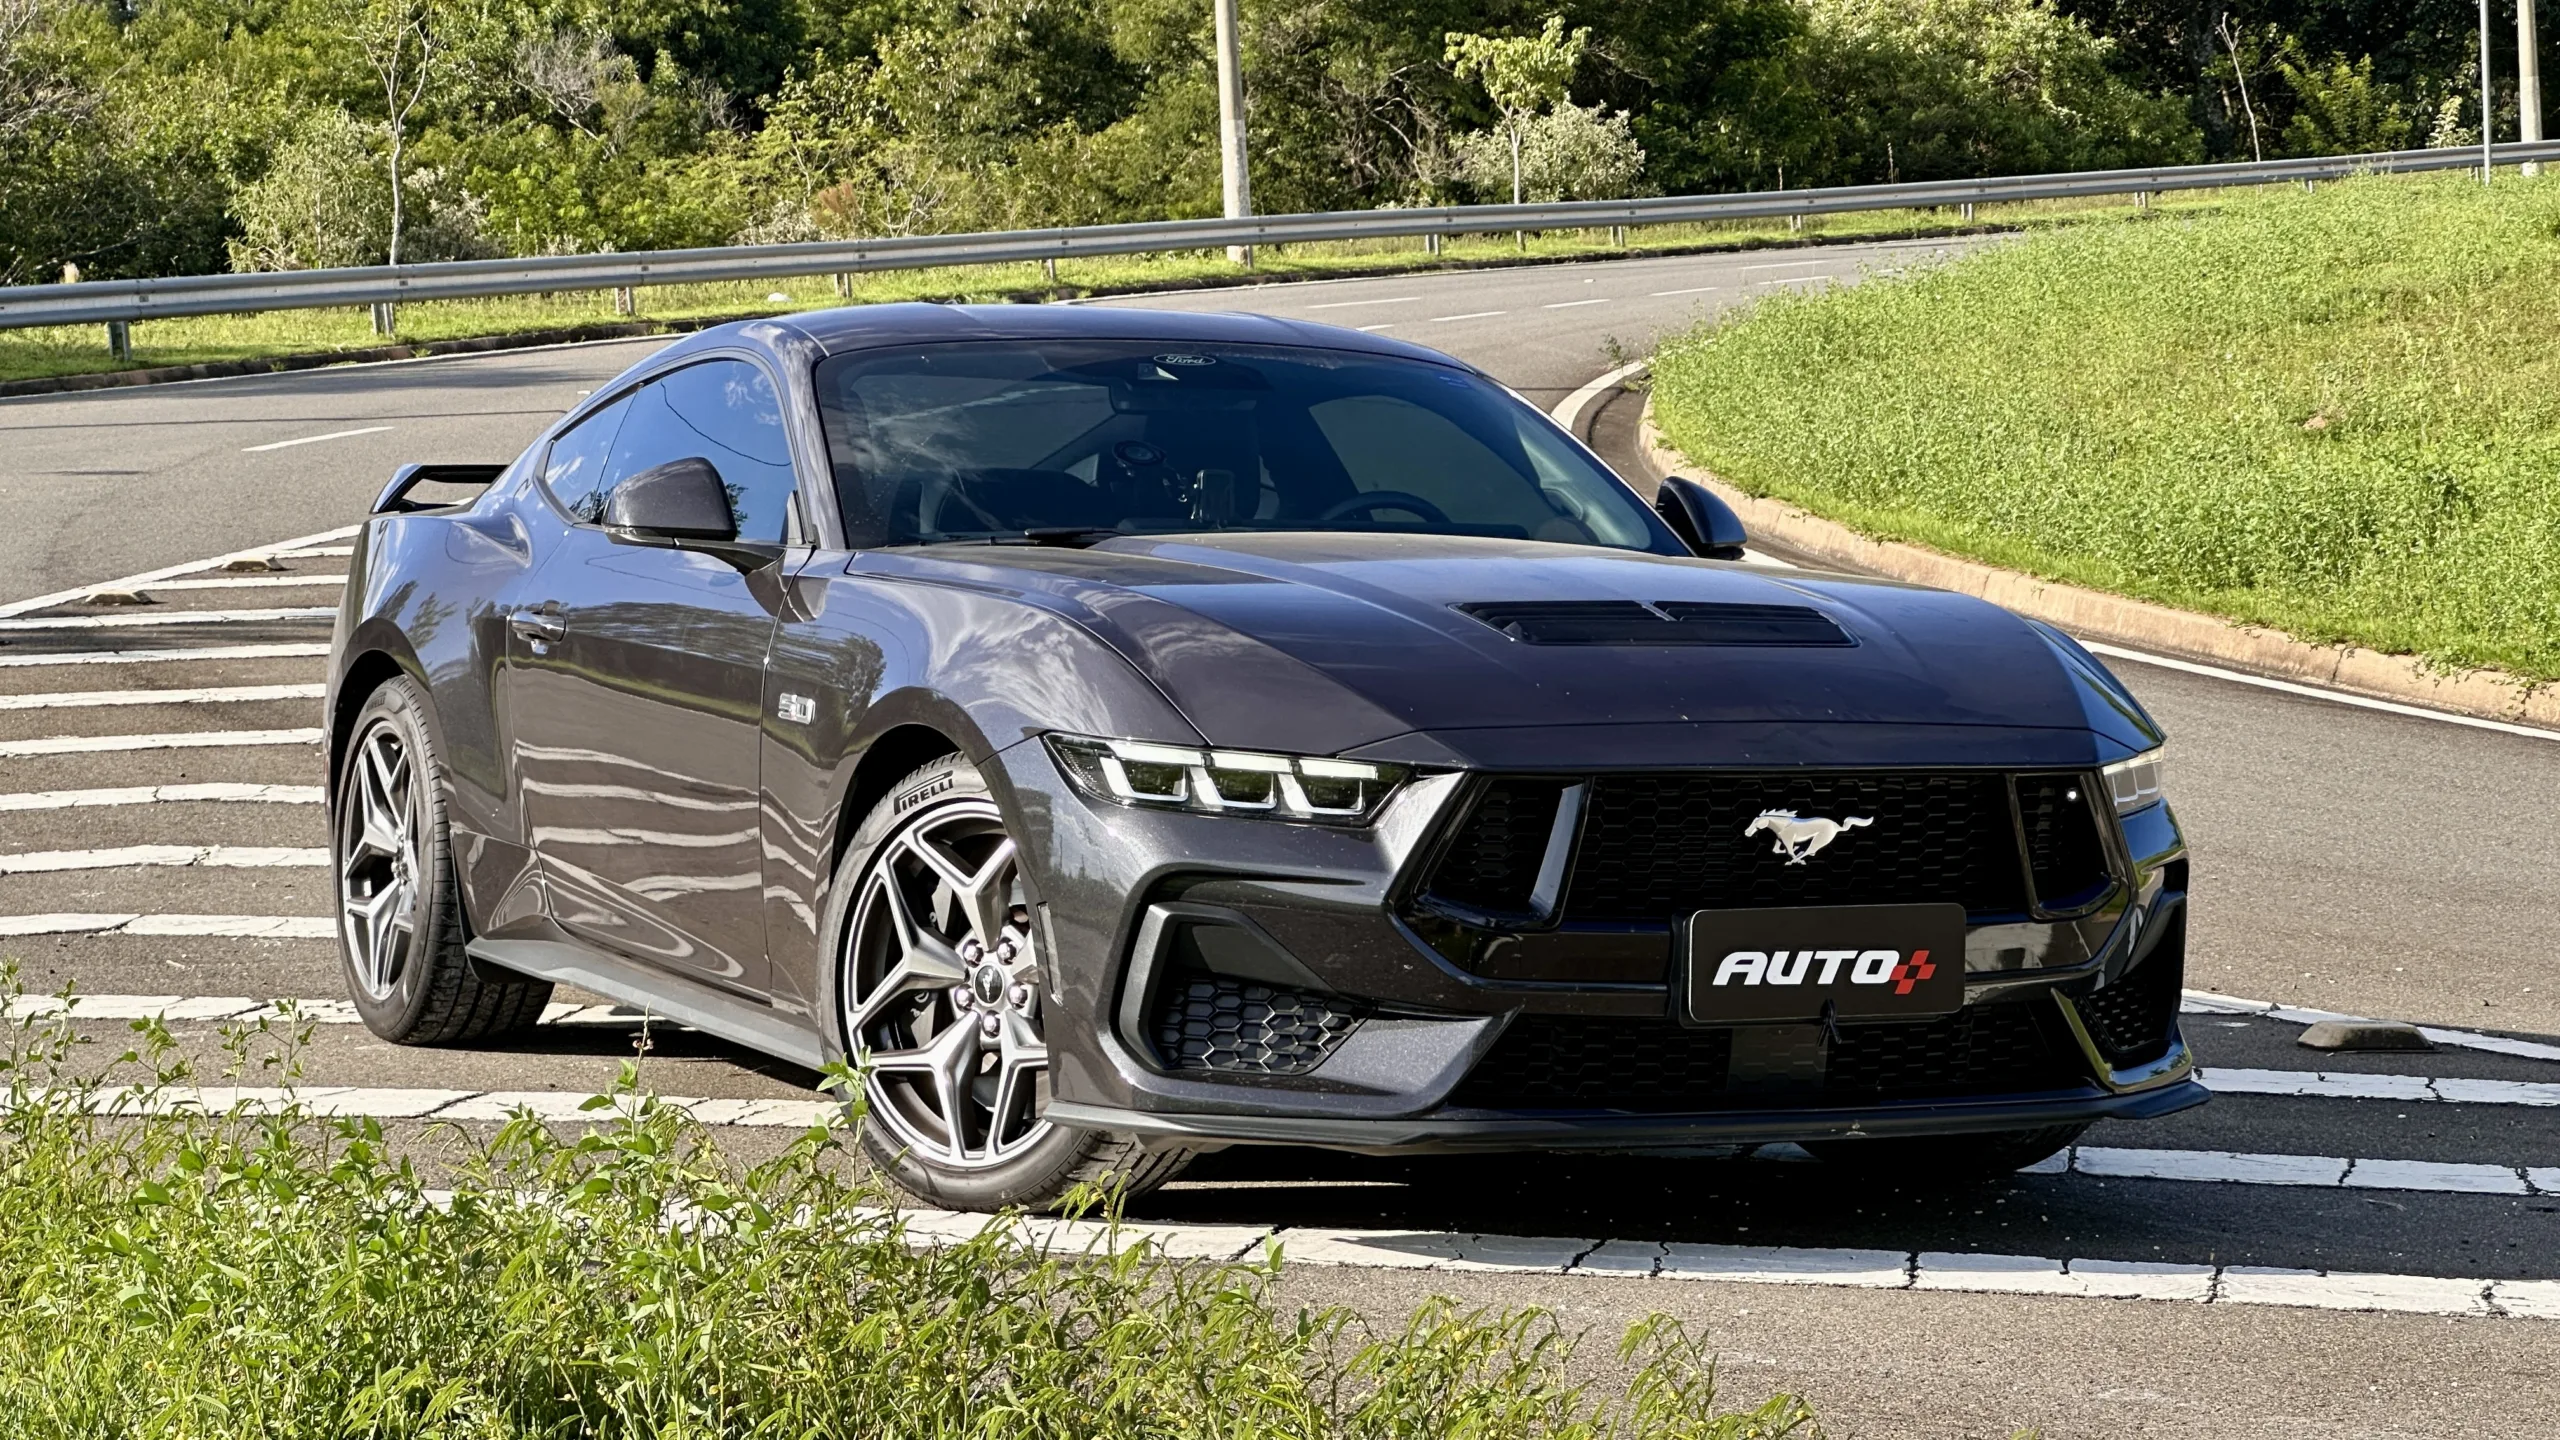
(2138, 624)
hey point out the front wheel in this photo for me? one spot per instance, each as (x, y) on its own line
(400, 924)
(942, 993)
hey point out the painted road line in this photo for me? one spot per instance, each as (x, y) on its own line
(244, 1008)
(2425, 1089)
(1374, 329)
(312, 439)
(1689, 290)
(1784, 265)
(124, 857)
(302, 544)
(220, 792)
(1571, 304)
(210, 695)
(211, 927)
(293, 651)
(186, 740)
(1348, 304)
(1470, 315)
(2313, 1171)
(312, 552)
(2206, 1002)
(2315, 692)
(248, 582)
(171, 617)
(408, 1103)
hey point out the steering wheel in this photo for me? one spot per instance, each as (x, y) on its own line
(1369, 500)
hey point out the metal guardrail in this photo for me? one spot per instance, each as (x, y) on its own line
(92, 302)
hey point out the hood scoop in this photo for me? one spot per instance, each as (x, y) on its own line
(1670, 622)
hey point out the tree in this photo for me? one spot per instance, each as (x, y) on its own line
(403, 44)
(1522, 75)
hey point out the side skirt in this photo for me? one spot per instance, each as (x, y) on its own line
(684, 1001)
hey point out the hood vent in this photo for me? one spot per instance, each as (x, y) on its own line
(1672, 622)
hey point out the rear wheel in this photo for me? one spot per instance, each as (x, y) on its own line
(1949, 1159)
(400, 925)
(942, 998)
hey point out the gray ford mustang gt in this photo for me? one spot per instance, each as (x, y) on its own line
(1123, 734)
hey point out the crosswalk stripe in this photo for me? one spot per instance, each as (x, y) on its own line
(418, 1103)
(202, 695)
(301, 545)
(244, 582)
(168, 617)
(211, 791)
(183, 740)
(2206, 1002)
(241, 1007)
(294, 651)
(2316, 1085)
(119, 857)
(231, 927)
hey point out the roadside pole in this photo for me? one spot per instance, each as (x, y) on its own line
(2488, 156)
(2528, 81)
(1231, 162)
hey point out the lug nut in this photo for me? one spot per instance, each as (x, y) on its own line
(990, 1024)
(964, 998)
(1005, 950)
(1020, 995)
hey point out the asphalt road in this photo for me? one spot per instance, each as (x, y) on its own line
(2345, 860)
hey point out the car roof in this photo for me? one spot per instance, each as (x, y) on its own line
(864, 327)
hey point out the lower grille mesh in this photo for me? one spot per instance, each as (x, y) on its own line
(2131, 1019)
(1217, 1023)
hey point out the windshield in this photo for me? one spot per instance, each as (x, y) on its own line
(1081, 439)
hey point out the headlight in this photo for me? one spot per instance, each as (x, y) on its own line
(2137, 782)
(1227, 782)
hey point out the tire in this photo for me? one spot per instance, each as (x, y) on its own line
(400, 922)
(939, 993)
(1948, 1159)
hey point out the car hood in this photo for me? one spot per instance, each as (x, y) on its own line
(1324, 643)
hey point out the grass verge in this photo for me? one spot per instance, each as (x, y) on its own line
(284, 1276)
(81, 350)
(2334, 413)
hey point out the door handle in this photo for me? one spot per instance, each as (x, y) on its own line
(538, 626)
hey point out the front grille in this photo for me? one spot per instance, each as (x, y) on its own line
(1492, 864)
(2059, 818)
(2131, 1019)
(1561, 1062)
(1979, 1050)
(1657, 847)
(1239, 1027)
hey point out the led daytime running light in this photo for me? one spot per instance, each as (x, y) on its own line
(1227, 782)
(2140, 781)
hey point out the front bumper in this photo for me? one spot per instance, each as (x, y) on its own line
(1322, 915)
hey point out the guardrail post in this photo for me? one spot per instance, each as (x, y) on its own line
(1967, 211)
(1431, 243)
(626, 301)
(844, 286)
(1049, 268)
(386, 317)
(120, 339)
(1795, 223)
(1617, 237)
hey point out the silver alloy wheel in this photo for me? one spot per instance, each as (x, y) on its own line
(378, 860)
(943, 992)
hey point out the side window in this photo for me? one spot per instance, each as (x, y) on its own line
(723, 411)
(573, 471)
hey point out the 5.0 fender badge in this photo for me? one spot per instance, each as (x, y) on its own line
(1799, 838)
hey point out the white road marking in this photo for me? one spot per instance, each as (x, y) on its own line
(312, 552)
(1570, 304)
(299, 545)
(217, 791)
(248, 582)
(2206, 1002)
(297, 651)
(170, 617)
(212, 695)
(2328, 1085)
(2315, 692)
(1691, 290)
(241, 1007)
(312, 439)
(1374, 329)
(1348, 304)
(401, 1103)
(1470, 315)
(120, 857)
(186, 740)
(1785, 265)
(215, 927)
(2320, 1171)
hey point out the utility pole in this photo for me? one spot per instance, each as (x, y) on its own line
(1231, 160)
(2488, 156)
(2528, 81)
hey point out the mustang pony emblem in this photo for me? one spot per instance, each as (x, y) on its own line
(1800, 839)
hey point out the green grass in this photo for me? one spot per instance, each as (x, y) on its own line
(2334, 413)
(76, 350)
(284, 1277)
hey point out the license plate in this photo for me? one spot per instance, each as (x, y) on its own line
(1865, 962)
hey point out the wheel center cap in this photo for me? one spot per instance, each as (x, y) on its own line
(988, 983)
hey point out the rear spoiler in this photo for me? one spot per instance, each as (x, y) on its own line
(394, 499)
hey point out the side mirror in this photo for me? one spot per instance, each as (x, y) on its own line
(680, 500)
(1704, 523)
